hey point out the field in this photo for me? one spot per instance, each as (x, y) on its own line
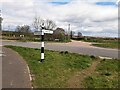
(67, 70)
(102, 42)
(107, 44)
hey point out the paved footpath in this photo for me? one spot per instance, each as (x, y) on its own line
(14, 70)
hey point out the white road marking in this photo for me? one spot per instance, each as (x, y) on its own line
(29, 73)
(11, 83)
(10, 62)
(2, 54)
(104, 57)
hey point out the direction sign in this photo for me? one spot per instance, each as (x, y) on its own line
(48, 31)
(37, 33)
(45, 31)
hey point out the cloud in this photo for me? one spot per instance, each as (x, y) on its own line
(79, 13)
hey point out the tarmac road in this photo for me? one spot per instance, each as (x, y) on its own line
(82, 49)
(14, 70)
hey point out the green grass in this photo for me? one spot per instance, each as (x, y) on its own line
(107, 45)
(106, 75)
(57, 68)
(101, 42)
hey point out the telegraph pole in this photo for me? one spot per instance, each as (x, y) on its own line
(68, 31)
(0, 21)
(9, 29)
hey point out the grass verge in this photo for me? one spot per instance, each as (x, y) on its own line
(107, 45)
(59, 67)
(106, 75)
(103, 42)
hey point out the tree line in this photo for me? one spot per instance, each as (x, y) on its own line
(39, 24)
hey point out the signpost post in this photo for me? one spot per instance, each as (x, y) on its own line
(42, 40)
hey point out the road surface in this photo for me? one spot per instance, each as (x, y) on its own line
(14, 70)
(74, 47)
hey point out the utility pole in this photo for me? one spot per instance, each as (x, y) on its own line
(68, 32)
(9, 30)
(0, 21)
(71, 34)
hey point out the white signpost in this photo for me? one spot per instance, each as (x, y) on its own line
(48, 31)
(44, 31)
(42, 39)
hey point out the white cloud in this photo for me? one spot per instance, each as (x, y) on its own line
(79, 13)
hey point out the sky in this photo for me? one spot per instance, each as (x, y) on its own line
(91, 17)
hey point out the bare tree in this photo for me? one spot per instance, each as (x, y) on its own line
(39, 23)
(49, 24)
(24, 29)
(18, 28)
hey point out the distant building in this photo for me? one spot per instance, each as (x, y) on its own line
(79, 34)
(59, 33)
(59, 30)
